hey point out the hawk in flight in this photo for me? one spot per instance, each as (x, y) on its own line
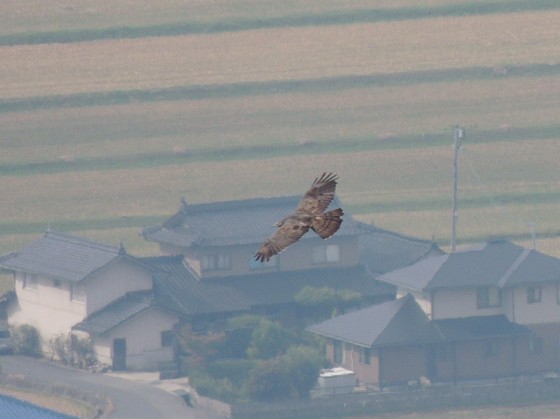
(309, 214)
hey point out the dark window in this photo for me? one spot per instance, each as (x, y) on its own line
(219, 262)
(365, 355)
(487, 297)
(338, 347)
(166, 338)
(534, 295)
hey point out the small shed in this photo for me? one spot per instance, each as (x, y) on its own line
(336, 380)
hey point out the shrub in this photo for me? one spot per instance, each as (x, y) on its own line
(26, 340)
(235, 370)
(60, 348)
(303, 365)
(216, 388)
(269, 382)
(268, 340)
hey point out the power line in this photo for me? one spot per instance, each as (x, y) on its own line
(496, 203)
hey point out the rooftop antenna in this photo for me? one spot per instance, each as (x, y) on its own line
(458, 137)
(532, 226)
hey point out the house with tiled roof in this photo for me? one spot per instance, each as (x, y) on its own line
(65, 283)
(496, 306)
(130, 307)
(395, 342)
(220, 240)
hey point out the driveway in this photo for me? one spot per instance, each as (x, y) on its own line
(131, 399)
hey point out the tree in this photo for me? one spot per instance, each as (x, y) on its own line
(26, 340)
(268, 340)
(303, 365)
(269, 382)
(324, 301)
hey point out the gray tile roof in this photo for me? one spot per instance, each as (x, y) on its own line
(62, 256)
(231, 223)
(384, 251)
(281, 287)
(116, 313)
(391, 323)
(179, 289)
(497, 263)
(479, 327)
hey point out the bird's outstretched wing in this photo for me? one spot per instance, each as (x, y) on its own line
(288, 233)
(325, 225)
(317, 199)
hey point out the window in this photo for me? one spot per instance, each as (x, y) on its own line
(77, 293)
(534, 295)
(338, 347)
(326, 254)
(30, 282)
(365, 355)
(167, 338)
(487, 297)
(219, 262)
(491, 348)
(535, 345)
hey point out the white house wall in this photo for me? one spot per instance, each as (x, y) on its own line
(545, 311)
(143, 340)
(457, 303)
(113, 282)
(47, 308)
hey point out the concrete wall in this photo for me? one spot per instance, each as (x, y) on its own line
(421, 400)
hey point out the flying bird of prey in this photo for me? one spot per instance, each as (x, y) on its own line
(310, 214)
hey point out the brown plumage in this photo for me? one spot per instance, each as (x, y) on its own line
(310, 214)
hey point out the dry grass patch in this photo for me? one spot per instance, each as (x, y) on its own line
(37, 16)
(320, 117)
(279, 54)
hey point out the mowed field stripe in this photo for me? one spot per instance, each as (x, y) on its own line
(340, 17)
(255, 152)
(232, 90)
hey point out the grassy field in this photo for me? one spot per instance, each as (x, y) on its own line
(110, 113)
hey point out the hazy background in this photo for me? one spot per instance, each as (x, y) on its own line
(110, 112)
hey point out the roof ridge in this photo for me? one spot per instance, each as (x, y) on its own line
(239, 203)
(83, 241)
(512, 268)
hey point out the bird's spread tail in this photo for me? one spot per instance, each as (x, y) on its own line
(326, 224)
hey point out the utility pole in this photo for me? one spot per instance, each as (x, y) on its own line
(458, 138)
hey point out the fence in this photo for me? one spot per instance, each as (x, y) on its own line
(422, 399)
